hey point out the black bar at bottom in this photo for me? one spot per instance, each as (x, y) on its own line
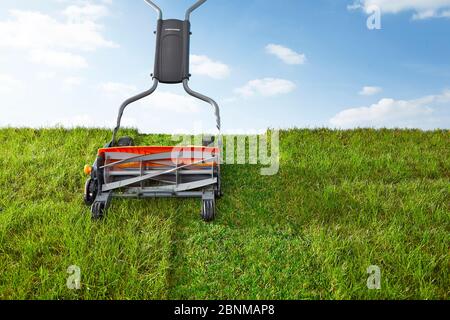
(227, 309)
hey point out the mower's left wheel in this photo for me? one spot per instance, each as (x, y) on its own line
(208, 210)
(90, 192)
(98, 210)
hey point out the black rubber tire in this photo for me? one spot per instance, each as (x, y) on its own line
(90, 192)
(98, 211)
(125, 142)
(218, 190)
(208, 210)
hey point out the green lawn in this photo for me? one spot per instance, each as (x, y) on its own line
(342, 201)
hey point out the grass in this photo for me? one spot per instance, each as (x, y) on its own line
(342, 201)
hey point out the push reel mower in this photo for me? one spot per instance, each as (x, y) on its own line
(122, 169)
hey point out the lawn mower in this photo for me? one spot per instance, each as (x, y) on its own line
(128, 171)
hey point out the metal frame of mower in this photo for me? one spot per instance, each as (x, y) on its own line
(124, 170)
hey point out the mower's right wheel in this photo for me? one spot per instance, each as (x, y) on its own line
(208, 210)
(98, 210)
(125, 142)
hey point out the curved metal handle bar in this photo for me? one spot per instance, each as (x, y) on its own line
(188, 12)
(204, 98)
(194, 7)
(154, 6)
(128, 102)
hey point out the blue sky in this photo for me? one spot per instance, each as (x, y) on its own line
(278, 64)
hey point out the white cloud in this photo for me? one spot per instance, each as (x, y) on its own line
(58, 59)
(87, 12)
(392, 113)
(370, 91)
(89, 121)
(83, 120)
(50, 41)
(285, 54)
(8, 83)
(423, 9)
(203, 65)
(431, 14)
(163, 101)
(354, 6)
(45, 75)
(71, 82)
(266, 87)
(118, 89)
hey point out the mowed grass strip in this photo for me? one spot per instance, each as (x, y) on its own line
(342, 201)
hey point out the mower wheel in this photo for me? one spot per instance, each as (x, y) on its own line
(90, 192)
(98, 210)
(208, 210)
(125, 142)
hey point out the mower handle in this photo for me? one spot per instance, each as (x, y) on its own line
(156, 80)
(194, 7)
(151, 91)
(154, 6)
(188, 12)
